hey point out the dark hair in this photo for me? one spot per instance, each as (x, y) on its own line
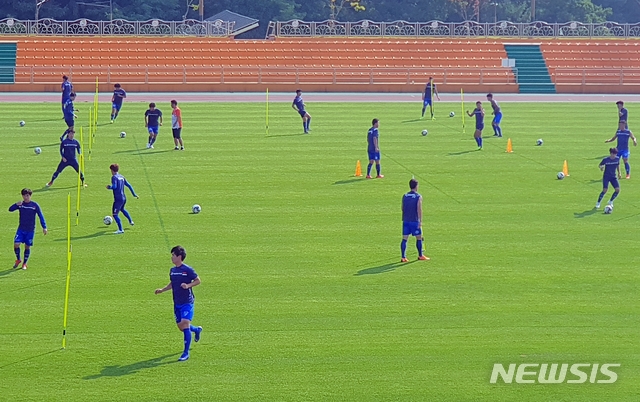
(117, 86)
(152, 104)
(620, 103)
(413, 184)
(72, 94)
(114, 167)
(64, 77)
(489, 95)
(479, 102)
(174, 102)
(430, 78)
(179, 251)
(26, 191)
(374, 121)
(298, 91)
(613, 150)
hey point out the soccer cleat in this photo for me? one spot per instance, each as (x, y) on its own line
(185, 356)
(380, 176)
(198, 332)
(24, 267)
(118, 232)
(131, 223)
(148, 146)
(597, 204)
(49, 184)
(368, 176)
(176, 148)
(151, 146)
(610, 203)
(403, 259)
(17, 264)
(496, 135)
(182, 148)
(424, 258)
(628, 176)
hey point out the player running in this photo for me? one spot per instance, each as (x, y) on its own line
(429, 90)
(299, 106)
(373, 149)
(69, 111)
(27, 227)
(182, 279)
(412, 220)
(116, 101)
(623, 147)
(497, 116)
(118, 183)
(67, 88)
(479, 113)
(152, 121)
(176, 125)
(611, 168)
(623, 116)
(68, 148)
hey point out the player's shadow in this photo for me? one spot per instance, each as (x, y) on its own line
(133, 368)
(44, 189)
(90, 236)
(349, 181)
(8, 272)
(143, 152)
(55, 144)
(127, 151)
(462, 152)
(285, 135)
(594, 181)
(584, 214)
(381, 269)
(411, 121)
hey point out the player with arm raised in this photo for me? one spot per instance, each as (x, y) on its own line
(623, 147)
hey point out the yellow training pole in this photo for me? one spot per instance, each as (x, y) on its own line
(267, 117)
(433, 115)
(90, 130)
(464, 130)
(66, 292)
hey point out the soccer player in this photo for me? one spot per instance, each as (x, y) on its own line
(182, 279)
(118, 183)
(373, 149)
(623, 147)
(479, 113)
(116, 101)
(27, 227)
(176, 125)
(298, 105)
(611, 168)
(68, 148)
(412, 220)
(497, 116)
(67, 89)
(69, 111)
(152, 121)
(429, 90)
(623, 115)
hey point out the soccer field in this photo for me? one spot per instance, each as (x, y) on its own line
(303, 296)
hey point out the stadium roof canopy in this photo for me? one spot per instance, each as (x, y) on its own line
(241, 23)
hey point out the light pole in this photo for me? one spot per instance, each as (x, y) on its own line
(533, 10)
(39, 4)
(495, 12)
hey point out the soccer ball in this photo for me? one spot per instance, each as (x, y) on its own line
(123, 134)
(425, 132)
(560, 175)
(451, 114)
(608, 209)
(196, 209)
(107, 220)
(37, 150)
(22, 123)
(539, 142)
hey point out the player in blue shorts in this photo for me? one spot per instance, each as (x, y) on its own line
(373, 149)
(623, 116)
(299, 106)
(152, 121)
(623, 147)
(478, 112)
(27, 227)
(67, 89)
(412, 220)
(116, 101)
(69, 111)
(611, 168)
(427, 97)
(182, 279)
(68, 148)
(497, 116)
(118, 183)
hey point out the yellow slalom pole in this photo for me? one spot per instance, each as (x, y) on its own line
(464, 130)
(66, 292)
(90, 130)
(433, 115)
(267, 117)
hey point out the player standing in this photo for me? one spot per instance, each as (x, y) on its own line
(152, 121)
(623, 147)
(116, 101)
(69, 111)
(427, 97)
(611, 168)
(373, 149)
(299, 106)
(67, 89)
(118, 183)
(176, 125)
(68, 148)
(479, 113)
(182, 279)
(412, 220)
(623, 116)
(497, 116)
(27, 227)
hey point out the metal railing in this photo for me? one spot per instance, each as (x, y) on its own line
(596, 76)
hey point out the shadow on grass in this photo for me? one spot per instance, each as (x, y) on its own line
(411, 121)
(381, 269)
(349, 181)
(584, 214)
(133, 368)
(143, 152)
(29, 358)
(463, 152)
(8, 272)
(286, 135)
(43, 189)
(55, 144)
(594, 181)
(91, 236)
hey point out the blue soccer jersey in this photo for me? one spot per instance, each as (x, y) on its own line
(28, 212)
(429, 90)
(68, 149)
(118, 183)
(371, 134)
(479, 118)
(410, 207)
(298, 103)
(66, 88)
(610, 166)
(68, 109)
(624, 113)
(118, 96)
(178, 276)
(623, 140)
(153, 117)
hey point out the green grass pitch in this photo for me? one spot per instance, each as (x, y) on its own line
(302, 295)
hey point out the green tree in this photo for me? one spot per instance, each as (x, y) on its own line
(570, 10)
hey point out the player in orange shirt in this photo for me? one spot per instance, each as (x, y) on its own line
(176, 125)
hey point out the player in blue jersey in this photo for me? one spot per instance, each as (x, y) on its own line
(412, 220)
(623, 116)
(478, 112)
(623, 147)
(27, 227)
(118, 183)
(182, 279)
(67, 89)
(427, 97)
(116, 101)
(497, 116)
(299, 106)
(611, 168)
(68, 148)
(373, 149)
(152, 121)
(69, 111)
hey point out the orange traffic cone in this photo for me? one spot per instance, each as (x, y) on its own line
(509, 147)
(358, 170)
(565, 169)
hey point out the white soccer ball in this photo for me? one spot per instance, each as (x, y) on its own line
(37, 150)
(425, 132)
(608, 209)
(196, 209)
(108, 220)
(560, 175)
(539, 142)
(123, 134)
(22, 123)
(451, 114)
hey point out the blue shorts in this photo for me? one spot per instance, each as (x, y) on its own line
(153, 129)
(623, 154)
(411, 228)
(183, 311)
(116, 106)
(480, 126)
(70, 162)
(427, 102)
(302, 112)
(24, 237)
(118, 206)
(374, 156)
(70, 122)
(497, 118)
(612, 180)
